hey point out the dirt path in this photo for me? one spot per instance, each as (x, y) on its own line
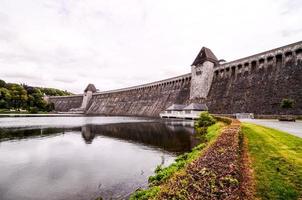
(218, 174)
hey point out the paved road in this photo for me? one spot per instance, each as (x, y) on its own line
(294, 128)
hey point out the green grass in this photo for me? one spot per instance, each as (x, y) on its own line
(276, 160)
(164, 173)
(7, 111)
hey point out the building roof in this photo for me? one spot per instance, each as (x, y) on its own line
(91, 88)
(196, 106)
(176, 107)
(205, 54)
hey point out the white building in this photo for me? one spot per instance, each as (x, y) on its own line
(191, 111)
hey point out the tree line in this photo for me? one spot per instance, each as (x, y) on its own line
(21, 96)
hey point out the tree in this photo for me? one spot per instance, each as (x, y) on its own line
(2, 83)
(5, 98)
(18, 96)
(3, 104)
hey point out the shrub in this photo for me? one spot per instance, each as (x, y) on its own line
(33, 110)
(205, 120)
(287, 103)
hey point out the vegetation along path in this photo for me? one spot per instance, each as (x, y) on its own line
(242, 161)
(214, 174)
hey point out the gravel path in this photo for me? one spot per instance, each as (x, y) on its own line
(215, 175)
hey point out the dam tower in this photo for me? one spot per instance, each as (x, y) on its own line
(202, 71)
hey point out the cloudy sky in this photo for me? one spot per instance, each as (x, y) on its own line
(67, 44)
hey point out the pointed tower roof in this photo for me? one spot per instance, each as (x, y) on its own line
(91, 88)
(205, 54)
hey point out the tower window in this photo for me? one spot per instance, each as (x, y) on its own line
(198, 73)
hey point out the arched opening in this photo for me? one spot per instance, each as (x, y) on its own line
(261, 63)
(288, 54)
(279, 60)
(298, 51)
(233, 70)
(239, 67)
(253, 65)
(270, 62)
(288, 57)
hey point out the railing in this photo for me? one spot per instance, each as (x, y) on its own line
(180, 115)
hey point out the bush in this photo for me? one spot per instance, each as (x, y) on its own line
(50, 107)
(287, 103)
(33, 110)
(205, 120)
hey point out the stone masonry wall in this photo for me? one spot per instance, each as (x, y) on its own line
(146, 100)
(65, 103)
(257, 84)
(202, 78)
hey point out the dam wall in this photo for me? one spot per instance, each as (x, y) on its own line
(145, 100)
(255, 84)
(65, 103)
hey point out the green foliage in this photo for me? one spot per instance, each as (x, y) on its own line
(3, 104)
(287, 103)
(21, 96)
(204, 120)
(145, 194)
(276, 161)
(2, 83)
(54, 92)
(33, 110)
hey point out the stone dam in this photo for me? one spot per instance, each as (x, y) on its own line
(255, 84)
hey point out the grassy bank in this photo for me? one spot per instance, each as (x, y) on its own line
(276, 160)
(163, 174)
(7, 111)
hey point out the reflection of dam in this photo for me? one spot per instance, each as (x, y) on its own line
(175, 138)
(87, 135)
(188, 125)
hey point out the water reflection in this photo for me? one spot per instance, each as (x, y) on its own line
(26, 133)
(86, 161)
(87, 135)
(173, 138)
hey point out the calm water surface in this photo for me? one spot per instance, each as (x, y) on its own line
(84, 157)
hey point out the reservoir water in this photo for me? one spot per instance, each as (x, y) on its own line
(79, 158)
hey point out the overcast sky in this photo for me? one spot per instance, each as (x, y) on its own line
(67, 44)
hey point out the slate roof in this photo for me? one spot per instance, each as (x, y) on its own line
(196, 106)
(176, 107)
(205, 54)
(91, 88)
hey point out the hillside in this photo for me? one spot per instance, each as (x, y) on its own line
(16, 97)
